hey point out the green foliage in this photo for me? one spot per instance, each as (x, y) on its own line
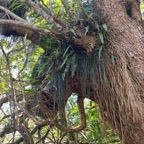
(15, 5)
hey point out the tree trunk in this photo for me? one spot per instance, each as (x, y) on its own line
(121, 99)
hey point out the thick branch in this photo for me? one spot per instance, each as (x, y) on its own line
(35, 37)
(85, 42)
(28, 27)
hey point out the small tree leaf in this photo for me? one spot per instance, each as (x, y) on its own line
(86, 30)
(101, 37)
(113, 58)
(105, 27)
(97, 25)
(66, 50)
(100, 52)
(73, 32)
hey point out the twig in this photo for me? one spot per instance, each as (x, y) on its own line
(86, 16)
(39, 135)
(16, 50)
(25, 63)
(67, 7)
(12, 14)
(21, 138)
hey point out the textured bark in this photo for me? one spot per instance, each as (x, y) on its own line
(125, 80)
(121, 98)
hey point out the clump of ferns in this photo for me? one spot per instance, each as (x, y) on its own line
(69, 62)
(73, 57)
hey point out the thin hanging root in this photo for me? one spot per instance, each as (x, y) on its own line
(80, 103)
